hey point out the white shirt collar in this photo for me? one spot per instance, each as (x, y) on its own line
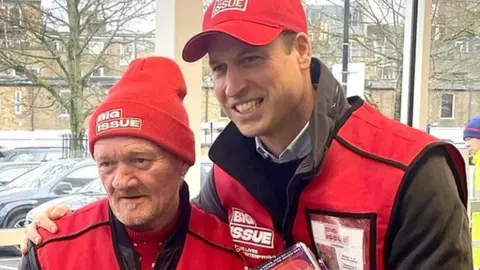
(297, 149)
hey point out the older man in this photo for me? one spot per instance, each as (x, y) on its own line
(301, 163)
(143, 146)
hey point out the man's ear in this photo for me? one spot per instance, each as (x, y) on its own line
(304, 48)
(184, 168)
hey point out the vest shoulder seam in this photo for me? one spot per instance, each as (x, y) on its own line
(74, 235)
(201, 238)
(363, 153)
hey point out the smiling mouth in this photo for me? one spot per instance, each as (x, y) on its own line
(248, 106)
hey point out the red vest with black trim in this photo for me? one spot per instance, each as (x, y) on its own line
(84, 241)
(344, 213)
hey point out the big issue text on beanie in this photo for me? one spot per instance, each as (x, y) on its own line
(147, 102)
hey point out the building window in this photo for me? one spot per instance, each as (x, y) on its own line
(15, 16)
(18, 71)
(380, 45)
(355, 49)
(462, 46)
(5, 43)
(34, 70)
(387, 72)
(210, 132)
(57, 46)
(18, 102)
(98, 72)
(355, 17)
(96, 47)
(63, 112)
(4, 11)
(448, 105)
(127, 54)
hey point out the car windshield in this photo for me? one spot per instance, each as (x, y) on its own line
(95, 186)
(8, 174)
(7, 154)
(26, 156)
(33, 155)
(40, 176)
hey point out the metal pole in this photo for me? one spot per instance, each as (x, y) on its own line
(207, 91)
(346, 28)
(470, 92)
(211, 133)
(5, 26)
(413, 59)
(32, 108)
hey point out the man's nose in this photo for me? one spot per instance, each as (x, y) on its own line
(235, 82)
(123, 177)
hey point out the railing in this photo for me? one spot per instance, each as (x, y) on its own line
(82, 146)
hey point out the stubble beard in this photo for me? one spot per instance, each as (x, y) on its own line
(133, 215)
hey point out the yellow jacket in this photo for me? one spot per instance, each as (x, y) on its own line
(476, 161)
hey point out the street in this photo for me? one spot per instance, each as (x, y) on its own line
(8, 261)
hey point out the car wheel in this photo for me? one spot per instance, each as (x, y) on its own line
(18, 220)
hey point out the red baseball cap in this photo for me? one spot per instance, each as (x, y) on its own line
(255, 22)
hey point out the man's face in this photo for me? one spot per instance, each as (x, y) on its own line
(473, 145)
(141, 179)
(260, 88)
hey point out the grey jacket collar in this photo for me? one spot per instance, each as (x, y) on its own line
(330, 107)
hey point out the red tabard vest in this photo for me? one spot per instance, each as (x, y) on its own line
(85, 242)
(344, 213)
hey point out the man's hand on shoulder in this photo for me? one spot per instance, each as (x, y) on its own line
(43, 220)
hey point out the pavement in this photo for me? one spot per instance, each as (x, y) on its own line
(8, 261)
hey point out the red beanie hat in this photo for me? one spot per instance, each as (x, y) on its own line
(147, 102)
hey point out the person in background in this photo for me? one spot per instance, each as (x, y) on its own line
(471, 135)
(140, 139)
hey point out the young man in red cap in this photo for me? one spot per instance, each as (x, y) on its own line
(301, 163)
(141, 140)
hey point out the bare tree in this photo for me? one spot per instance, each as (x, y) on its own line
(377, 38)
(71, 41)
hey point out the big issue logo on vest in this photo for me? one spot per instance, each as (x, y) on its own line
(249, 238)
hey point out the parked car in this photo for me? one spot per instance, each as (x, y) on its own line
(12, 169)
(205, 166)
(44, 183)
(2, 150)
(89, 193)
(38, 154)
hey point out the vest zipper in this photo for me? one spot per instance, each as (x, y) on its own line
(298, 184)
(138, 264)
(287, 234)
